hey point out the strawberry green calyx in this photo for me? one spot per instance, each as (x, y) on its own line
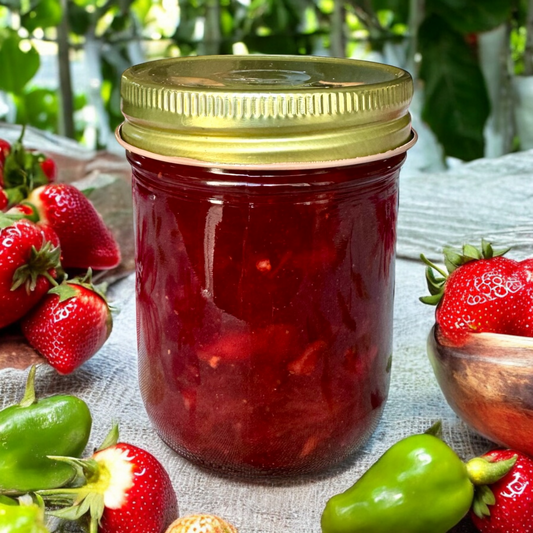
(78, 502)
(66, 289)
(15, 195)
(40, 263)
(122, 488)
(8, 219)
(482, 473)
(22, 170)
(436, 277)
(106, 481)
(87, 282)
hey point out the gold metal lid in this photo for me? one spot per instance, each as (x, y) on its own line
(265, 110)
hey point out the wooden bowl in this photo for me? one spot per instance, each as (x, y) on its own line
(488, 382)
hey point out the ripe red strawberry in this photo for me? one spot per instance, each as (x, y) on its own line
(69, 325)
(49, 167)
(5, 148)
(508, 506)
(29, 260)
(86, 242)
(483, 292)
(127, 490)
(4, 200)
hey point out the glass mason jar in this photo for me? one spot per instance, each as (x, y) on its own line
(265, 196)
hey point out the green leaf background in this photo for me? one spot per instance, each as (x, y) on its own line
(19, 65)
(455, 101)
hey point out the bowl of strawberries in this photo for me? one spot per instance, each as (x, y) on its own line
(481, 346)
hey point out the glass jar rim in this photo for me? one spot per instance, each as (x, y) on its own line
(303, 165)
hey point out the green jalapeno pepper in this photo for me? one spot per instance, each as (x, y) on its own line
(6, 500)
(27, 517)
(33, 430)
(418, 486)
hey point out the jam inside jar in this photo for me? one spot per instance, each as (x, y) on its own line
(264, 260)
(265, 318)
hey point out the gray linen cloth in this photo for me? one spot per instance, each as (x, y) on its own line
(490, 198)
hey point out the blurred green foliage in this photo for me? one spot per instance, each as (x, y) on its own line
(440, 48)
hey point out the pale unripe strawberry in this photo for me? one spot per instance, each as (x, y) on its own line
(201, 523)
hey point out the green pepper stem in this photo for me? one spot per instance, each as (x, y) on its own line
(483, 472)
(29, 393)
(435, 430)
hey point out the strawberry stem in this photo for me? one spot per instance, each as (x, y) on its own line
(40, 263)
(52, 281)
(426, 261)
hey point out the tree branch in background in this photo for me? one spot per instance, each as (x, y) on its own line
(337, 37)
(212, 33)
(416, 15)
(528, 52)
(66, 121)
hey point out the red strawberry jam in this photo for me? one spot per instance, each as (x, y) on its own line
(265, 310)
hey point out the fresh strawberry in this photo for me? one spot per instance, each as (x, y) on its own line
(127, 490)
(69, 325)
(5, 148)
(29, 260)
(481, 292)
(204, 523)
(506, 506)
(49, 167)
(86, 242)
(4, 200)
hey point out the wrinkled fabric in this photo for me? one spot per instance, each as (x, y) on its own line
(486, 198)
